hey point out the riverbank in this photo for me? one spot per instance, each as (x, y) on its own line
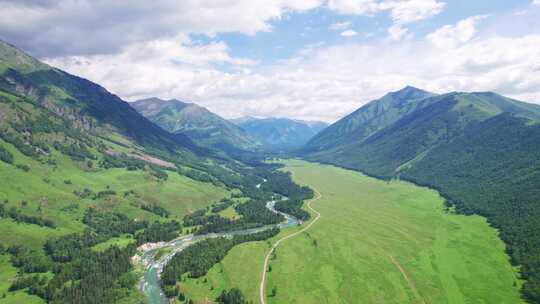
(152, 257)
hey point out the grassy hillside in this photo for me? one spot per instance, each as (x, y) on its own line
(199, 124)
(53, 175)
(86, 179)
(376, 242)
(478, 149)
(280, 134)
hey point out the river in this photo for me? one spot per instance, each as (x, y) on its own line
(153, 266)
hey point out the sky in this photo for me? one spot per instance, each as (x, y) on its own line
(302, 59)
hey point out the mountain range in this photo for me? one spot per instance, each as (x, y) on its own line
(280, 134)
(247, 134)
(196, 122)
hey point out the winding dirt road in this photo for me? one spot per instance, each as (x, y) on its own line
(276, 244)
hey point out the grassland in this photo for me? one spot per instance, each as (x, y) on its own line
(7, 272)
(376, 242)
(47, 190)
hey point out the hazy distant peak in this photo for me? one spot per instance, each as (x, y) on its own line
(197, 122)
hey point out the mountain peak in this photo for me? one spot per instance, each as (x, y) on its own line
(197, 122)
(410, 92)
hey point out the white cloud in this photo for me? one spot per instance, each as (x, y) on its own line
(151, 54)
(407, 11)
(340, 26)
(82, 27)
(355, 7)
(161, 67)
(348, 33)
(536, 2)
(322, 83)
(397, 31)
(403, 12)
(452, 35)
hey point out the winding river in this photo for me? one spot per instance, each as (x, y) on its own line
(153, 265)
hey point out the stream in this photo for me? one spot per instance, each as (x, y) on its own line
(150, 282)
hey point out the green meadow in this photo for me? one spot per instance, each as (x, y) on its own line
(48, 191)
(376, 242)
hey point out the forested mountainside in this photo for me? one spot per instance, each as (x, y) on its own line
(87, 104)
(196, 122)
(367, 120)
(86, 179)
(480, 150)
(280, 134)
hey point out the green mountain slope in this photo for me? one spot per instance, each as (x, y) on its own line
(368, 119)
(480, 150)
(86, 179)
(280, 134)
(87, 104)
(199, 124)
(54, 175)
(82, 170)
(434, 121)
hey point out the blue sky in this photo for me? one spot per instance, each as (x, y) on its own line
(305, 59)
(294, 31)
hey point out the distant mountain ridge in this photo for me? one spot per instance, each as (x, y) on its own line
(480, 150)
(196, 122)
(280, 134)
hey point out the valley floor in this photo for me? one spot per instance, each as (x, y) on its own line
(376, 242)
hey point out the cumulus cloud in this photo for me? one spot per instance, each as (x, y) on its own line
(87, 27)
(151, 54)
(172, 67)
(348, 33)
(355, 7)
(324, 83)
(407, 11)
(452, 35)
(403, 12)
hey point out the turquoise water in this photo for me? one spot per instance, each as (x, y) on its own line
(150, 284)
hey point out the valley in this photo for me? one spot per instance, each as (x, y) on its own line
(376, 241)
(415, 197)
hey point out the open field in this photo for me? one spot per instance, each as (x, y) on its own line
(376, 242)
